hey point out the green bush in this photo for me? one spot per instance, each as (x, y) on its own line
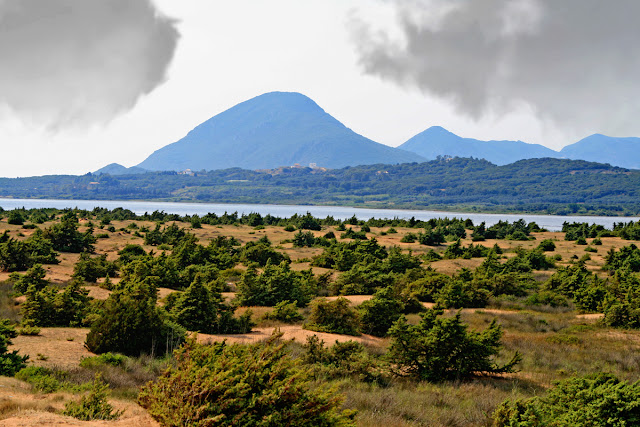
(34, 276)
(439, 349)
(379, 313)
(595, 400)
(10, 362)
(29, 330)
(276, 283)
(131, 323)
(347, 359)
(201, 308)
(547, 245)
(409, 238)
(94, 406)
(41, 379)
(109, 359)
(285, 311)
(335, 317)
(252, 385)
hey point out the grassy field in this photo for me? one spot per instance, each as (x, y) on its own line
(556, 343)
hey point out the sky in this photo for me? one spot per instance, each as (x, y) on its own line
(84, 83)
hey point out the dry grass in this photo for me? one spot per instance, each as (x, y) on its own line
(63, 347)
(20, 407)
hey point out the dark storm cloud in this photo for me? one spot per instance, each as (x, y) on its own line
(76, 62)
(576, 62)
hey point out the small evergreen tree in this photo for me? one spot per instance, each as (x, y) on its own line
(10, 362)
(335, 316)
(132, 324)
(379, 313)
(438, 348)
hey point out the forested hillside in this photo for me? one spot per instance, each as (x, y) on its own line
(555, 186)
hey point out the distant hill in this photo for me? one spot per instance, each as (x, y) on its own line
(271, 130)
(550, 186)
(623, 152)
(437, 141)
(118, 169)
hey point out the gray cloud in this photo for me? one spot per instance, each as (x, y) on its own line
(575, 62)
(77, 62)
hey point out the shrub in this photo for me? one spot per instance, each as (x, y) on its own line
(379, 313)
(41, 379)
(29, 330)
(65, 236)
(200, 308)
(290, 228)
(130, 323)
(285, 311)
(226, 385)
(94, 406)
(10, 362)
(594, 400)
(335, 317)
(90, 269)
(547, 245)
(15, 218)
(35, 276)
(276, 283)
(438, 349)
(110, 359)
(347, 359)
(303, 239)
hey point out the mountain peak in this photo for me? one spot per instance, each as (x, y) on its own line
(271, 130)
(437, 141)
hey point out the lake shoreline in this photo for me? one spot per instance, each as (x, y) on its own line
(550, 222)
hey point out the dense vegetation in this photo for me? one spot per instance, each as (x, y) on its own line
(434, 300)
(554, 186)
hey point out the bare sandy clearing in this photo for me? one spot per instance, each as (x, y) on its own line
(290, 332)
(63, 347)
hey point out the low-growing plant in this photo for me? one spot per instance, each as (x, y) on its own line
(285, 311)
(594, 400)
(93, 406)
(335, 316)
(29, 330)
(224, 385)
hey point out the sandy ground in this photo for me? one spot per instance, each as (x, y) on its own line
(62, 347)
(290, 332)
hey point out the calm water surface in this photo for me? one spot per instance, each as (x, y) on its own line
(551, 222)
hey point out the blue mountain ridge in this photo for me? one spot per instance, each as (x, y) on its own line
(622, 152)
(437, 141)
(271, 130)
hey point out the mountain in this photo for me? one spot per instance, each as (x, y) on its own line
(437, 141)
(118, 169)
(271, 130)
(623, 152)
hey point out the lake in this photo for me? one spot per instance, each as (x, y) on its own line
(550, 222)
